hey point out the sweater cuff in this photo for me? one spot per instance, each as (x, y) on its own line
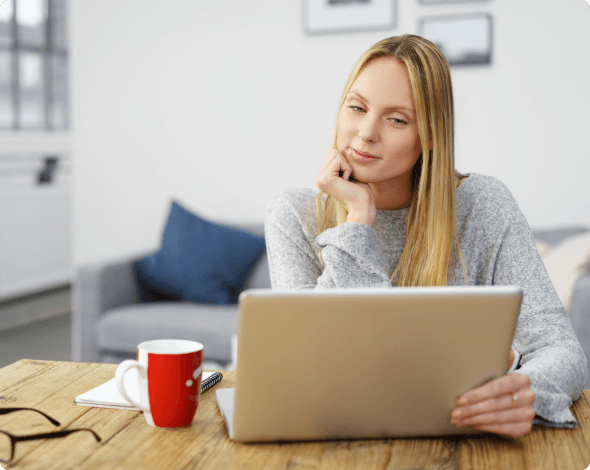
(353, 257)
(552, 405)
(553, 424)
(358, 240)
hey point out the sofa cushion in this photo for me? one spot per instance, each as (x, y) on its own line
(199, 261)
(565, 262)
(260, 276)
(120, 330)
(554, 237)
(580, 315)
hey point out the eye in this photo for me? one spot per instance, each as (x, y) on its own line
(398, 121)
(358, 109)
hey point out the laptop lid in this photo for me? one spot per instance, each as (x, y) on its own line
(366, 363)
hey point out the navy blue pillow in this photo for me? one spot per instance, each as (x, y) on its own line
(199, 261)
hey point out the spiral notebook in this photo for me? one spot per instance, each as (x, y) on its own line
(364, 363)
(107, 395)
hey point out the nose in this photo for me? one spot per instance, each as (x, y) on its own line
(368, 130)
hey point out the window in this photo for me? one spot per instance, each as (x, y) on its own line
(33, 65)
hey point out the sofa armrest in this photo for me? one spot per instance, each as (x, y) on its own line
(259, 278)
(96, 289)
(580, 314)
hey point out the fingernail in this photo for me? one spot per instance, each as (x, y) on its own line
(456, 414)
(462, 401)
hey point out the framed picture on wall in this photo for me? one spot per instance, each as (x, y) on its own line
(336, 16)
(464, 39)
(436, 2)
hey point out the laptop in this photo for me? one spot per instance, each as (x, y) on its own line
(364, 363)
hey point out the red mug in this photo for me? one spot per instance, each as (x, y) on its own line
(169, 374)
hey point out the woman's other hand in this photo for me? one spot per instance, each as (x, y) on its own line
(334, 178)
(502, 406)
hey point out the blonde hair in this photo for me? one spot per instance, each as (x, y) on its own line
(431, 228)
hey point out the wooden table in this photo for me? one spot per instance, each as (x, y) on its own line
(129, 443)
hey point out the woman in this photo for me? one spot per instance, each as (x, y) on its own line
(392, 211)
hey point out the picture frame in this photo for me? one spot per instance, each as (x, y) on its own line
(465, 40)
(336, 16)
(439, 2)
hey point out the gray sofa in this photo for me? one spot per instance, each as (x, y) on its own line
(580, 302)
(108, 323)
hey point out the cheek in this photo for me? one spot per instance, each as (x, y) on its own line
(414, 146)
(341, 132)
(404, 150)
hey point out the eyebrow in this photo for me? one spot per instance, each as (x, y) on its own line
(389, 109)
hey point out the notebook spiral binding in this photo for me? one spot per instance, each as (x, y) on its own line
(209, 382)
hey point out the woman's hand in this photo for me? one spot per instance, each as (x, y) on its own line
(334, 178)
(502, 406)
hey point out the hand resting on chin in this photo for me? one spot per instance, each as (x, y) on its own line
(335, 179)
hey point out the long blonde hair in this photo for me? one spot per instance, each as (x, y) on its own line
(431, 228)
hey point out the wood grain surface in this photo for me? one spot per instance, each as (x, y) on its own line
(129, 443)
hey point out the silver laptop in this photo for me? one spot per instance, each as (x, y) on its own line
(364, 363)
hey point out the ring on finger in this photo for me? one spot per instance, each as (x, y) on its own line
(514, 398)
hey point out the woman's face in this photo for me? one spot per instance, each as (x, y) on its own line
(377, 128)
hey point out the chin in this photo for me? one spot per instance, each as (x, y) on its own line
(362, 177)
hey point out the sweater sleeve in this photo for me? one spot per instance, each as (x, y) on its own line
(351, 253)
(551, 353)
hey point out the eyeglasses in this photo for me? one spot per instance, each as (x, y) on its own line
(5, 436)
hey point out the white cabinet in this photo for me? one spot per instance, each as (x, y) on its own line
(35, 225)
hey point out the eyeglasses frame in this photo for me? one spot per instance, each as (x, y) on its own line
(47, 435)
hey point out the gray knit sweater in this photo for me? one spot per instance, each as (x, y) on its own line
(498, 248)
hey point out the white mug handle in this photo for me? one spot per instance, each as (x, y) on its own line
(121, 369)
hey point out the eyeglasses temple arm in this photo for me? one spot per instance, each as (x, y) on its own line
(56, 434)
(4, 411)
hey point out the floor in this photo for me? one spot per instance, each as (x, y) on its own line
(45, 339)
(39, 327)
(48, 340)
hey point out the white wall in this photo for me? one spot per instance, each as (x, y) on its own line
(222, 104)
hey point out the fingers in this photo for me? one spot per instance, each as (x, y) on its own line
(503, 406)
(333, 159)
(525, 412)
(332, 164)
(505, 385)
(524, 398)
(347, 172)
(507, 429)
(335, 178)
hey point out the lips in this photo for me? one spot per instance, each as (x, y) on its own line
(363, 157)
(363, 154)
